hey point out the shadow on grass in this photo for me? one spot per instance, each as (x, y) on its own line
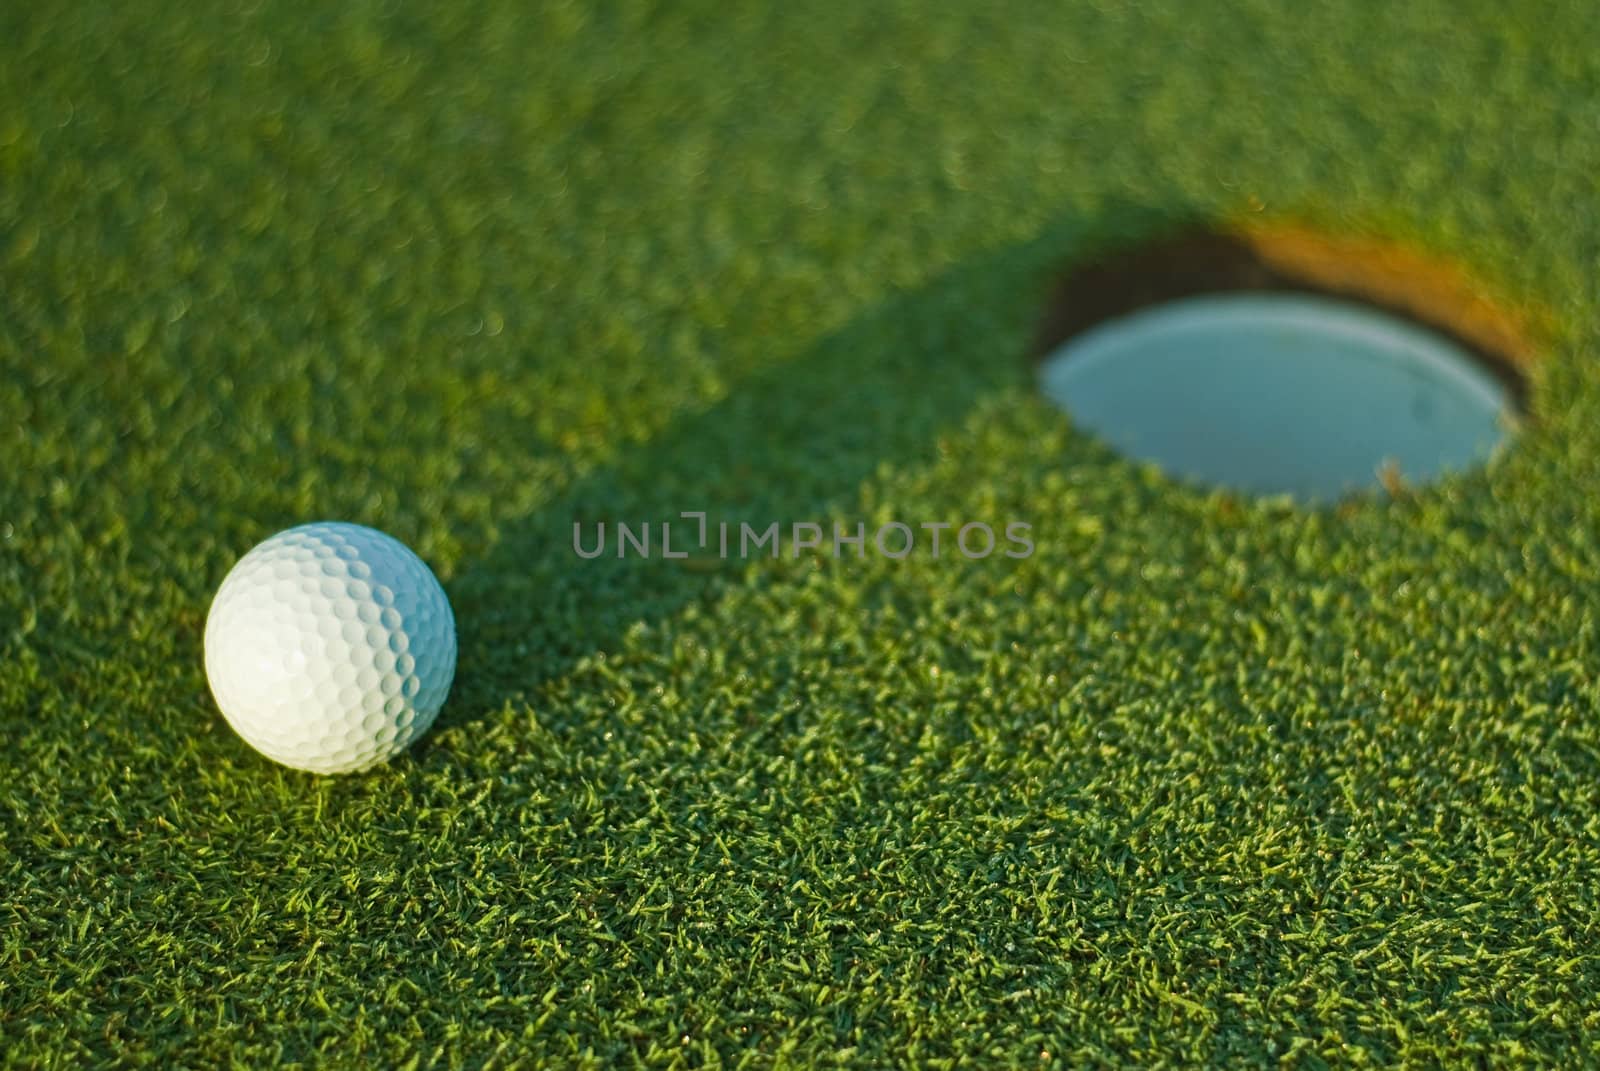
(792, 443)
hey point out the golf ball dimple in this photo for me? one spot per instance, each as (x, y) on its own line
(330, 647)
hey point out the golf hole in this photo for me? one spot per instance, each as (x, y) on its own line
(1285, 363)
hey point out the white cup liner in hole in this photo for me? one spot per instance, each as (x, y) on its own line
(1280, 394)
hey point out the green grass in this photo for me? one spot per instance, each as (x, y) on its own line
(1202, 781)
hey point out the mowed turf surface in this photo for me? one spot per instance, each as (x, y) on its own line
(1201, 781)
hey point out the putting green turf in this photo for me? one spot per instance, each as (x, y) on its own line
(1202, 780)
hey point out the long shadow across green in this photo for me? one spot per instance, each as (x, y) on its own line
(786, 445)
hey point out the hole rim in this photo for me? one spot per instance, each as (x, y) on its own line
(1207, 259)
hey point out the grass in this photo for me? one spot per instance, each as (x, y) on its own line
(1202, 781)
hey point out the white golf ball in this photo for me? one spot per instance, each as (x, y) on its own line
(330, 647)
